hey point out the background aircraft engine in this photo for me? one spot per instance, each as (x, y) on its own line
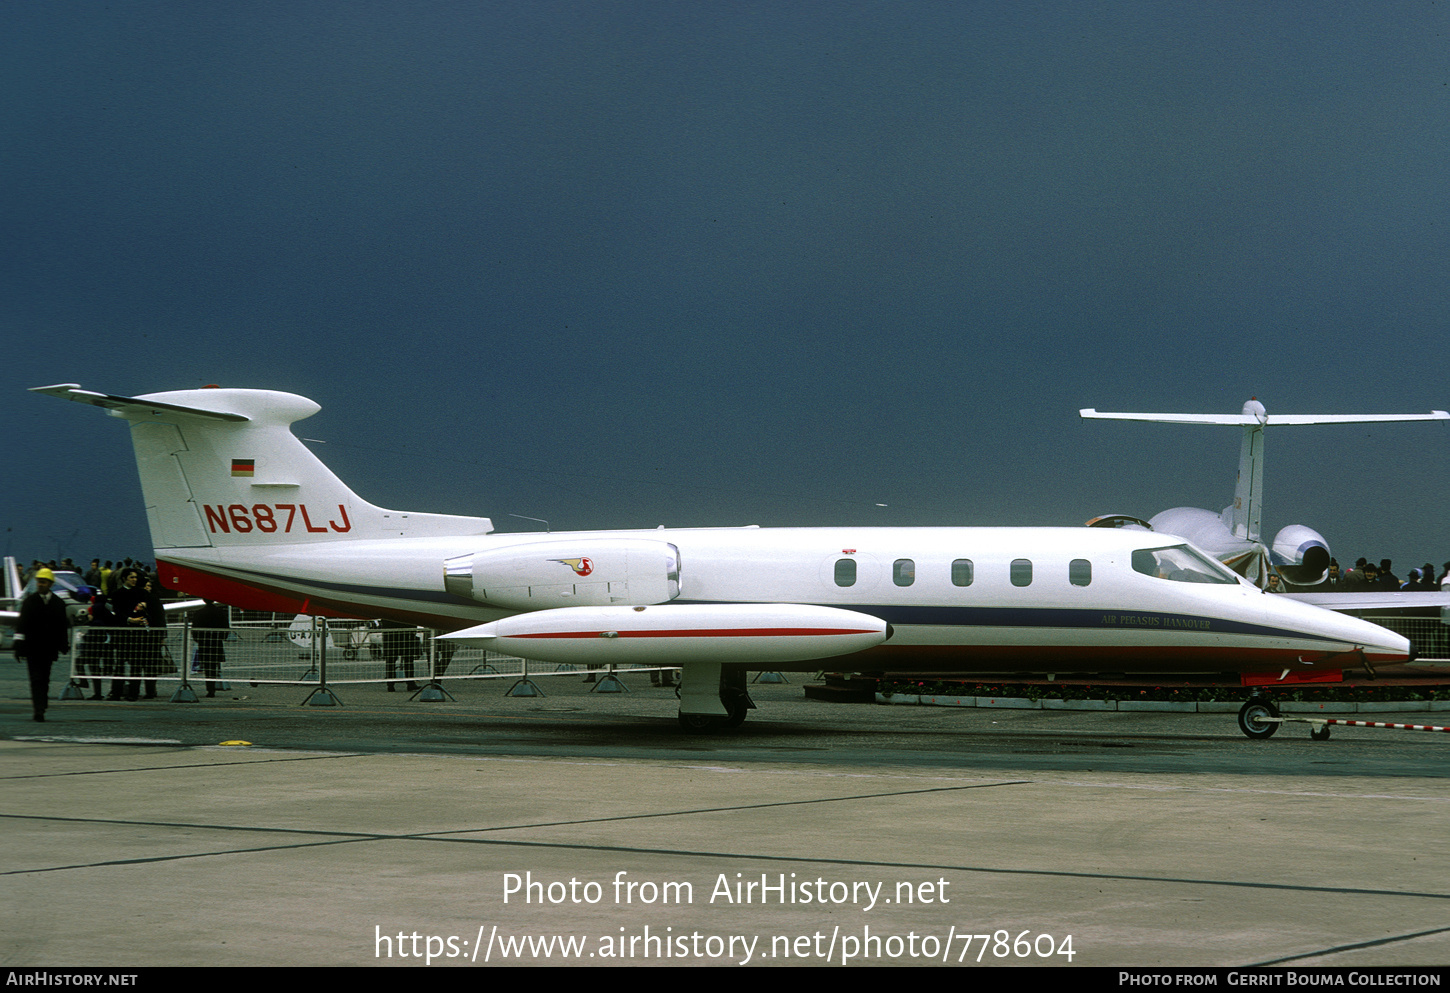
(1301, 555)
(587, 572)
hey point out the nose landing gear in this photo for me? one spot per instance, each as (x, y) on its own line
(1259, 718)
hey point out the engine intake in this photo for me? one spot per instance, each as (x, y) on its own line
(1301, 555)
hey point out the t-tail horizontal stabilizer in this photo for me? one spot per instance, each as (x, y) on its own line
(1298, 553)
(221, 468)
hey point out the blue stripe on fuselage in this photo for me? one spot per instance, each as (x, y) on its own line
(1054, 617)
(894, 614)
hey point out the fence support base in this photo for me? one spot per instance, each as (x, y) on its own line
(432, 692)
(525, 687)
(321, 697)
(609, 683)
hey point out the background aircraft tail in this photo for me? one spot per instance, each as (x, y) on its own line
(1299, 553)
(221, 467)
(13, 586)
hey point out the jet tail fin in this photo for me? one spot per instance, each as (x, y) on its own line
(221, 467)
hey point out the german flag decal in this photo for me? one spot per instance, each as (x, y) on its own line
(244, 467)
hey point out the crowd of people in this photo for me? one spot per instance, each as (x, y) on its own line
(125, 641)
(1366, 577)
(104, 577)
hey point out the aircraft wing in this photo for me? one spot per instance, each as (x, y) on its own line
(182, 605)
(1091, 412)
(1355, 603)
(1248, 420)
(1434, 415)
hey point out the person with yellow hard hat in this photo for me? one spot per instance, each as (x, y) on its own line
(42, 634)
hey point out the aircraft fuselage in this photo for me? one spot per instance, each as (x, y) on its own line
(956, 599)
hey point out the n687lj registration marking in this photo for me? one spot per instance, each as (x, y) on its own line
(266, 517)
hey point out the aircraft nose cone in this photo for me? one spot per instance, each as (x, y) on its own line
(1384, 645)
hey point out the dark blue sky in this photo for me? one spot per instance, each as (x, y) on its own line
(622, 264)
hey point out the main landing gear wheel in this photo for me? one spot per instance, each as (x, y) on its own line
(738, 709)
(1252, 719)
(1320, 734)
(698, 723)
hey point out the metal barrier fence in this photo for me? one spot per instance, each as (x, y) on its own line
(314, 650)
(299, 651)
(1430, 636)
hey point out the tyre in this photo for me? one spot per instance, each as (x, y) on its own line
(1252, 719)
(738, 709)
(697, 723)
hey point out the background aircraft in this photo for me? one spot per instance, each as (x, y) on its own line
(1299, 554)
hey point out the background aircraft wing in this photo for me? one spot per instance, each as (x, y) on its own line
(1357, 602)
(1091, 412)
(1434, 415)
(1249, 419)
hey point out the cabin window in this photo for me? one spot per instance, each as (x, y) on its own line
(903, 572)
(1021, 572)
(845, 572)
(962, 572)
(1080, 572)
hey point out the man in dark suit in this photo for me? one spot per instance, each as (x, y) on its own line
(42, 634)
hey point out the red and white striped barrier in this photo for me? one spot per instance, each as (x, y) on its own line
(1383, 724)
(1321, 724)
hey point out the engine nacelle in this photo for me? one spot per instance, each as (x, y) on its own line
(585, 572)
(1301, 555)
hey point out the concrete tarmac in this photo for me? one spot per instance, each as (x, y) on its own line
(583, 829)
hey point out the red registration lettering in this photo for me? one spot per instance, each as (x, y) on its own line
(264, 517)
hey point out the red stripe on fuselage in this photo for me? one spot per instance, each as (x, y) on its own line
(702, 633)
(243, 595)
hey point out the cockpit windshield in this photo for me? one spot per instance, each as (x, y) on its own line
(1181, 564)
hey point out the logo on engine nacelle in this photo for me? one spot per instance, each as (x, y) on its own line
(581, 567)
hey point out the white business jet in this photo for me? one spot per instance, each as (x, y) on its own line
(242, 512)
(1299, 554)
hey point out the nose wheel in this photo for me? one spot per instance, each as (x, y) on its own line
(1259, 719)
